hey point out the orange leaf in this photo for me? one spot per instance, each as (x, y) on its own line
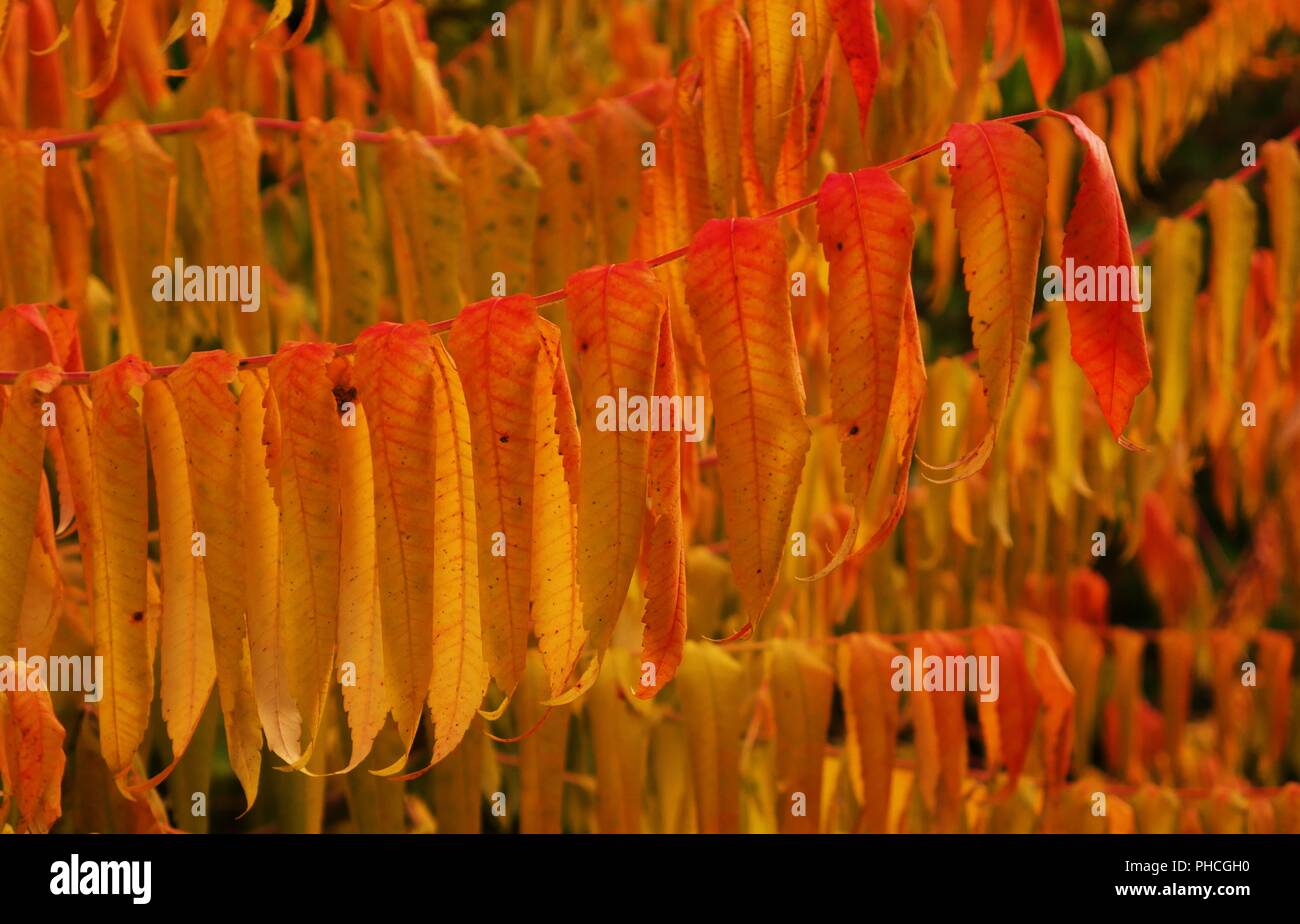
(31, 749)
(497, 347)
(737, 288)
(871, 722)
(1008, 722)
(662, 538)
(864, 222)
(1044, 47)
(999, 182)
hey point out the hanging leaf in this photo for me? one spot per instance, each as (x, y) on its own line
(306, 478)
(394, 380)
(802, 686)
(1106, 335)
(209, 420)
(554, 598)
(709, 684)
(497, 348)
(426, 221)
(663, 542)
(864, 224)
(22, 451)
(999, 182)
(613, 311)
(188, 664)
(855, 25)
(736, 287)
(119, 513)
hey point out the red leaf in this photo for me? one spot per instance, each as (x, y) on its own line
(855, 24)
(1106, 335)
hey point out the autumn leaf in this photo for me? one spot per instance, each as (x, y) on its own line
(554, 597)
(22, 450)
(662, 540)
(871, 723)
(347, 285)
(460, 675)
(999, 183)
(855, 25)
(209, 418)
(497, 348)
(306, 476)
(614, 311)
(135, 184)
(394, 378)
(426, 221)
(188, 663)
(1008, 722)
(367, 697)
(771, 84)
(259, 452)
(709, 684)
(865, 227)
(736, 287)
(1106, 335)
(31, 750)
(119, 506)
(802, 686)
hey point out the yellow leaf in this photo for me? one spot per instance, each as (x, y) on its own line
(802, 685)
(710, 684)
(460, 675)
(135, 187)
(209, 419)
(1233, 226)
(773, 57)
(259, 446)
(501, 192)
(346, 269)
(620, 739)
(308, 477)
(565, 166)
(557, 619)
(616, 127)
(230, 153)
(394, 376)
(188, 664)
(541, 754)
(614, 312)
(1175, 280)
(724, 41)
(361, 635)
(426, 221)
(119, 508)
(1282, 188)
(22, 452)
(26, 255)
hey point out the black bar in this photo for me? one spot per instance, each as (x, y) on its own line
(660, 875)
